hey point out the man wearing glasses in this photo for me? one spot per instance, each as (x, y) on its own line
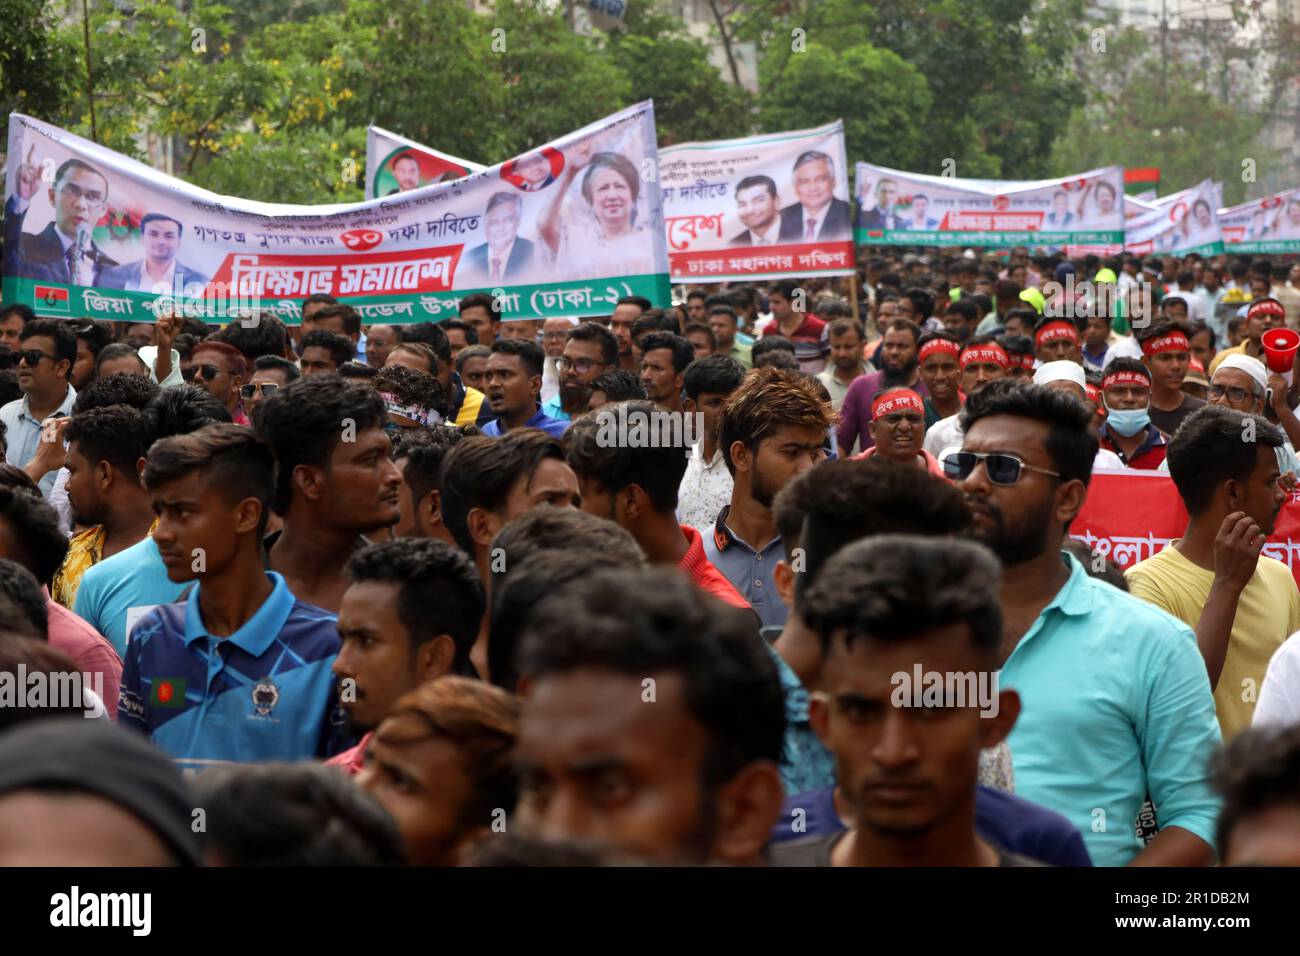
(1115, 700)
(63, 251)
(45, 356)
(219, 370)
(589, 350)
(270, 374)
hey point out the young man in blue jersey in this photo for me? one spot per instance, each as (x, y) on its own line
(239, 670)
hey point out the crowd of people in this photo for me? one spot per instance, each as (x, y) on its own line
(419, 594)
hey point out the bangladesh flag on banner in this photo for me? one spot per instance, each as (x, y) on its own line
(167, 692)
(51, 298)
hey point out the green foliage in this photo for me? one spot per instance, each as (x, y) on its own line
(882, 99)
(37, 67)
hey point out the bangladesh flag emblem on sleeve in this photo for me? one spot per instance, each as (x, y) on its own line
(50, 298)
(167, 692)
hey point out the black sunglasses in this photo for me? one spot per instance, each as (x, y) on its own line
(209, 372)
(1002, 469)
(33, 356)
(266, 389)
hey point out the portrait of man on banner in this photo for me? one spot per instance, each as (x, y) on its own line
(817, 214)
(757, 207)
(159, 271)
(505, 257)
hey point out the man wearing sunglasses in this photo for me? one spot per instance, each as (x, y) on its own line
(589, 350)
(63, 251)
(219, 370)
(1116, 701)
(270, 374)
(46, 354)
(1127, 430)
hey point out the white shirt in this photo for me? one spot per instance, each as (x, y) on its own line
(146, 284)
(502, 257)
(818, 218)
(1279, 695)
(705, 490)
(769, 238)
(550, 380)
(943, 435)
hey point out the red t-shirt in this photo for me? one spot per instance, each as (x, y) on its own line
(86, 648)
(350, 760)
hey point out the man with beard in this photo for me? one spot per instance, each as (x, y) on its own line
(983, 360)
(1242, 604)
(897, 427)
(939, 358)
(1091, 664)
(689, 778)
(334, 481)
(105, 446)
(663, 363)
(772, 430)
(706, 486)
(756, 207)
(898, 367)
(411, 614)
(590, 350)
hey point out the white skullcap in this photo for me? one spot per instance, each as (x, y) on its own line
(1064, 371)
(1251, 366)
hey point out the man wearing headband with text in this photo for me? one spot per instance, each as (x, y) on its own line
(982, 361)
(1167, 352)
(1127, 431)
(1057, 340)
(897, 425)
(1261, 315)
(940, 365)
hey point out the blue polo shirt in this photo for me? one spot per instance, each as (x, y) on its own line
(263, 693)
(1115, 704)
(552, 426)
(554, 409)
(752, 573)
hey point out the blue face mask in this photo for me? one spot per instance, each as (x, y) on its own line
(1128, 421)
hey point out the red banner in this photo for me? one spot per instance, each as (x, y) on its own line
(787, 257)
(1131, 515)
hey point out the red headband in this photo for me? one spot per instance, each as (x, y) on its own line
(1056, 330)
(938, 345)
(897, 401)
(1173, 342)
(980, 354)
(1125, 378)
(1094, 393)
(1265, 307)
(1025, 361)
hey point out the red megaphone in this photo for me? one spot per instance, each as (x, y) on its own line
(1280, 346)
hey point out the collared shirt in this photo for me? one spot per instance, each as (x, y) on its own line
(552, 426)
(146, 284)
(708, 578)
(497, 261)
(23, 432)
(806, 764)
(553, 409)
(1149, 455)
(705, 489)
(837, 388)
(263, 693)
(773, 234)
(753, 573)
(944, 434)
(811, 342)
(118, 592)
(812, 221)
(1115, 705)
(469, 406)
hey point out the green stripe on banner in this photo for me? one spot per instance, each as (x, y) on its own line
(1266, 246)
(907, 237)
(546, 300)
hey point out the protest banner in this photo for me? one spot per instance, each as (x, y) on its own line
(1268, 225)
(895, 207)
(395, 164)
(1182, 222)
(1130, 515)
(770, 206)
(92, 233)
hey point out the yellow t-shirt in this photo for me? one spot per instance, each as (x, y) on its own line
(1267, 613)
(1224, 353)
(84, 550)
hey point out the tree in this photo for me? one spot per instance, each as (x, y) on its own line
(37, 68)
(882, 100)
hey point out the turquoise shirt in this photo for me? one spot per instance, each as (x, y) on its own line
(1115, 704)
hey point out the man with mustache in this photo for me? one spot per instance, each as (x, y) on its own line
(898, 426)
(590, 350)
(1242, 604)
(1090, 663)
(982, 361)
(898, 367)
(334, 484)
